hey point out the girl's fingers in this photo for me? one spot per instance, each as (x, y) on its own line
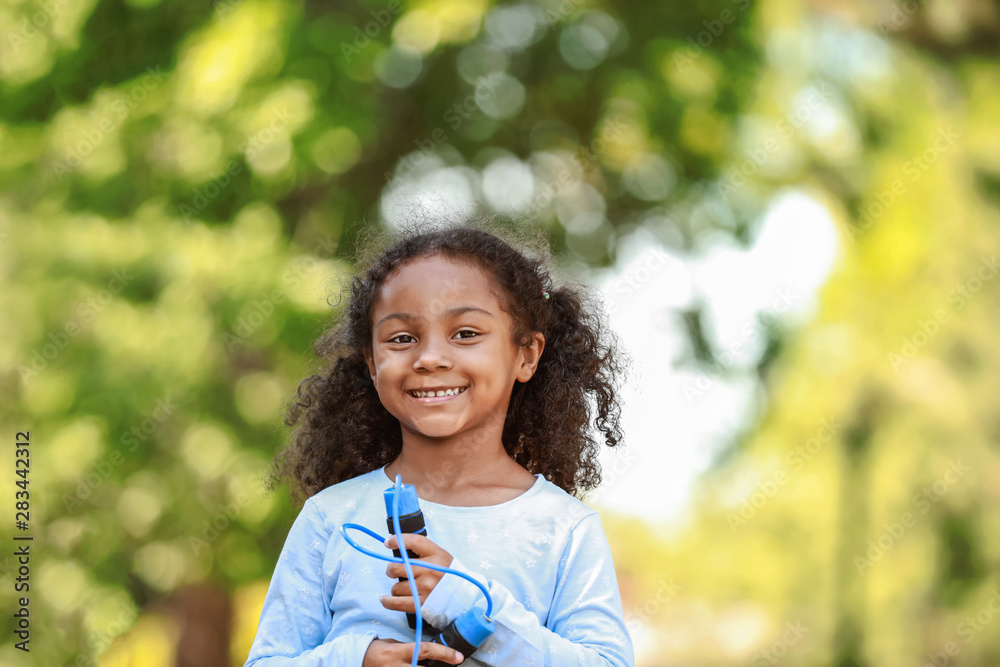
(401, 603)
(402, 589)
(396, 570)
(428, 650)
(414, 542)
(432, 651)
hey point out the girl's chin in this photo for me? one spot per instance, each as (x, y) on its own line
(426, 428)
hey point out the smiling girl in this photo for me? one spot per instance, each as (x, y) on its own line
(459, 366)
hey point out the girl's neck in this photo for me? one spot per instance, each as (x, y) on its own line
(453, 474)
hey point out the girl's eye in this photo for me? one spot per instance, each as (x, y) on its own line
(395, 339)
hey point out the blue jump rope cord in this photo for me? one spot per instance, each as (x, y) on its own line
(405, 560)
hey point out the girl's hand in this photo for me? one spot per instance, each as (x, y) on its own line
(401, 598)
(392, 653)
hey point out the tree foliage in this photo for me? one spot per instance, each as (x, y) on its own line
(182, 185)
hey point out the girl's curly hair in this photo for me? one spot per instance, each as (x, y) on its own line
(344, 431)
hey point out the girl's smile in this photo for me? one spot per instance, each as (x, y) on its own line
(436, 395)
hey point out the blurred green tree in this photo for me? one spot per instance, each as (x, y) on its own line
(182, 187)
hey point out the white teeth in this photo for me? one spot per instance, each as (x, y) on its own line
(447, 392)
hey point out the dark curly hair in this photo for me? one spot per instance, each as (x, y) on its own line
(344, 431)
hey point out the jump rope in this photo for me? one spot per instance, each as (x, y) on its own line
(469, 630)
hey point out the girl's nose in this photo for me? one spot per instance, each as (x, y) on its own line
(431, 356)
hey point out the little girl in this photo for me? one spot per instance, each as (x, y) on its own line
(459, 366)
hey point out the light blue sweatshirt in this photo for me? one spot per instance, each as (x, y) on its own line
(543, 556)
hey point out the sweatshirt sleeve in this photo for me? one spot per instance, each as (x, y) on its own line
(296, 616)
(585, 625)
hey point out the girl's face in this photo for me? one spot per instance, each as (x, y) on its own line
(437, 325)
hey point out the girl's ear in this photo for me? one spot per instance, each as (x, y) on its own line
(530, 356)
(371, 364)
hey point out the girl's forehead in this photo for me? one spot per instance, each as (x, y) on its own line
(436, 278)
(433, 289)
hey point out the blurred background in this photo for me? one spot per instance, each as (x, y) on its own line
(790, 207)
